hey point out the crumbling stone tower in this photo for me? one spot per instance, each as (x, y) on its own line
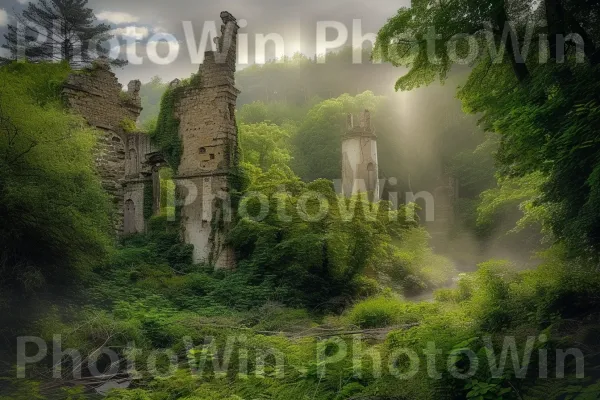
(207, 128)
(359, 158)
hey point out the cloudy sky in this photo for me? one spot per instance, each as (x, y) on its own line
(151, 22)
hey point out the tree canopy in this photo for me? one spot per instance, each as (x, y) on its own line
(55, 214)
(543, 110)
(58, 30)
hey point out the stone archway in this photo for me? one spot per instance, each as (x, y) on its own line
(129, 218)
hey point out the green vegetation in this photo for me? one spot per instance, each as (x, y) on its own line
(55, 214)
(166, 132)
(319, 308)
(151, 94)
(543, 113)
(128, 125)
(382, 311)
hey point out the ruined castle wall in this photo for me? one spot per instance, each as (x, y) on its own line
(207, 127)
(139, 149)
(134, 197)
(205, 219)
(128, 162)
(97, 95)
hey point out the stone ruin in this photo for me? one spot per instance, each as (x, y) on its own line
(360, 171)
(128, 163)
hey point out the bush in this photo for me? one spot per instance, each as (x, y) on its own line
(381, 311)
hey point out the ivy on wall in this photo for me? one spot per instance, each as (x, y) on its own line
(128, 125)
(148, 200)
(166, 134)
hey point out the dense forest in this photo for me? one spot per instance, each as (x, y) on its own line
(372, 305)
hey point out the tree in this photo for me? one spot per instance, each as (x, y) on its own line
(58, 30)
(264, 145)
(545, 113)
(419, 37)
(54, 211)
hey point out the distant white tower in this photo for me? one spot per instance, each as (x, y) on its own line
(359, 158)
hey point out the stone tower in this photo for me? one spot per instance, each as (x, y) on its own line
(207, 128)
(359, 158)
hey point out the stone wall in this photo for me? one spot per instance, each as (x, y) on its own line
(121, 157)
(97, 95)
(207, 127)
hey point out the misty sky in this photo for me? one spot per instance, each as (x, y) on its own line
(294, 20)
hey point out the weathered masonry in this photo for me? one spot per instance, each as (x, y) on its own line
(359, 158)
(208, 130)
(97, 95)
(129, 164)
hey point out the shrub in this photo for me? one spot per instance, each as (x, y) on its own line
(379, 312)
(365, 286)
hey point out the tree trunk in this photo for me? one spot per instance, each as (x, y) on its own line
(556, 25)
(518, 63)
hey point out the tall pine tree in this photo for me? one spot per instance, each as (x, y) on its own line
(58, 30)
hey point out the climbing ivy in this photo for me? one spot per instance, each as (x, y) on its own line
(148, 200)
(128, 125)
(166, 134)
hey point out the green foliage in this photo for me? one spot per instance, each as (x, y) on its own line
(545, 136)
(314, 129)
(280, 113)
(55, 213)
(382, 311)
(128, 125)
(545, 113)
(410, 266)
(148, 200)
(151, 94)
(264, 145)
(22, 390)
(321, 261)
(484, 390)
(311, 262)
(522, 191)
(166, 133)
